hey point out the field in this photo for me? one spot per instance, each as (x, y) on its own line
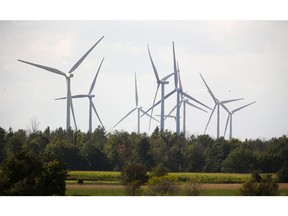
(114, 177)
(96, 183)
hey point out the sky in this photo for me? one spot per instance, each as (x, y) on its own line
(238, 59)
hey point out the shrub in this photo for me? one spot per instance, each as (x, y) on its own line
(260, 186)
(80, 181)
(162, 186)
(192, 189)
(133, 176)
(282, 174)
(158, 171)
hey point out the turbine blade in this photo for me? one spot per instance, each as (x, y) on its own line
(136, 92)
(226, 124)
(209, 90)
(225, 108)
(175, 67)
(74, 96)
(171, 111)
(125, 116)
(73, 114)
(94, 81)
(210, 118)
(158, 102)
(61, 98)
(189, 103)
(228, 101)
(180, 83)
(79, 96)
(243, 107)
(158, 85)
(97, 114)
(84, 56)
(166, 77)
(153, 65)
(53, 70)
(190, 97)
(151, 117)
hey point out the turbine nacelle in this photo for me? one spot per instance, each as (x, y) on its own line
(163, 82)
(91, 96)
(69, 75)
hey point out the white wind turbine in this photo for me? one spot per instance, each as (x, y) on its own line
(139, 109)
(161, 82)
(68, 76)
(183, 101)
(90, 97)
(217, 104)
(179, 92)
(230, 114)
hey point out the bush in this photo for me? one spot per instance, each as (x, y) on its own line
(282, 174)
(260, 186)
(162, 186)
(158, 171)
(133, 176)
(192, 189)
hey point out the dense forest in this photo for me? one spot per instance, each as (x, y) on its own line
(110, 151)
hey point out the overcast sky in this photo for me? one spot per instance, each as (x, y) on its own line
(238, 59)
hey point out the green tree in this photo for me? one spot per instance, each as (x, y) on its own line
(133, 176)
(194, 158)
(2, 145)
(240, 160)
(142, 153)
(24, 174)
(67, 153)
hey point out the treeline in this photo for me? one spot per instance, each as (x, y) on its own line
(110, 151)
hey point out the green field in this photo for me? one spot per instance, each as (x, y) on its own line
(111, 183)
(107, 177)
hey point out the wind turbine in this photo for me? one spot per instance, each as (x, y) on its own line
(183, 101)
(68, 76)
(139, 110)
(217, 104)
(179, 93)
(230, 114)
(161, 82)
(90, 97)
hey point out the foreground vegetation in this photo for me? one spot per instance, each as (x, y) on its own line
(197, 159)
(110, 151)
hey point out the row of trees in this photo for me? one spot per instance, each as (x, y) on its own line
(110, 151)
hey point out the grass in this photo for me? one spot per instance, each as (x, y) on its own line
(95, 192)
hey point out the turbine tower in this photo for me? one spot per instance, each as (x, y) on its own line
(90, 97)
(139, 110)
(68, 76)
(161, 82)
(217, 105)
(230, 114)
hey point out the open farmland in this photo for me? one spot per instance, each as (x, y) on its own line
(107, 177)
(100, 183)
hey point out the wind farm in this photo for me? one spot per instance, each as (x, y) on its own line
(182, 98)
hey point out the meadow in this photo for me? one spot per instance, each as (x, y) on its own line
(108, 183)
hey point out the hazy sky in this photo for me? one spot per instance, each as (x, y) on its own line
(237, 59)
